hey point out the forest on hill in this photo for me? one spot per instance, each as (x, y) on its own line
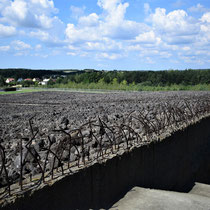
(185, 77)
(125, 80)
(29, 73)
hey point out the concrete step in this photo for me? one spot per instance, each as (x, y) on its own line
(201, 189)
(149, 199)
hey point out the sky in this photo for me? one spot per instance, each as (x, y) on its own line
(105, 34)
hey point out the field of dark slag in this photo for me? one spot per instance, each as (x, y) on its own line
(49, 133)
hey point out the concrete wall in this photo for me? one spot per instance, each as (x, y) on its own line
(173, 164)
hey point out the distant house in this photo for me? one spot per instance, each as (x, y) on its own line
(9, 80)
(20, 80)
(28, 79)
(35, 79)
(44, 82)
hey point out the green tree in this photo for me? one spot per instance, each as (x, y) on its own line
(101, 81)
(50, 82)
(27, 83)
(2, 81)
(114, 81)
(124, 82)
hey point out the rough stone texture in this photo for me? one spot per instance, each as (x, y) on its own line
(171, 164)
(127, 115)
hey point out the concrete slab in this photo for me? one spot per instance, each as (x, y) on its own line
(150, 199)
(201, 189)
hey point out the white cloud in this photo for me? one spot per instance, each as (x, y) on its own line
(45, 21)
(176, 22)
(109, 33)
(41, 55)
(110, 56)
(169, 34)
(44, 3)
(49, 38)
(108, 5)
(204, 38)
(106, 45)
(6, 31)
(205, 28)
(148, 38)
(77, 12)
(186, 48)
(147, 9)
(31, 13)
(135, 47)
(150, 60)
(115, 10)
(20, 45)
(192, 59)
(42, 35)
(106, 34)
(38, 47)
(81, 34)
(3, 4)
(17, 14)
(206, 17)
(165, 54)
(71, 53)
(90, 20)
(110, 24)
(155, 53)
(127, 30)
(179, 40)
(175, 29)
(198, 8)
(114, 24)
(4, 48)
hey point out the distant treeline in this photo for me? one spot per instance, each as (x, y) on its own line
(28, 73)
(147, 78)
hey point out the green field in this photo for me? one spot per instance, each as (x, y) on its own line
(28, 90)
(92, 87)
(132, 87)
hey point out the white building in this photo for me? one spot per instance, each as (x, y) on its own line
(10, 80)
(35, 79)
(44, 82)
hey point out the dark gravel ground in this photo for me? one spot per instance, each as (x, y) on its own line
(68, 111)
(49, 107)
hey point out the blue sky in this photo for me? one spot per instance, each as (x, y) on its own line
(105, 34)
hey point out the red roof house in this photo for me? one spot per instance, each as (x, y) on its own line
(8, 80)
